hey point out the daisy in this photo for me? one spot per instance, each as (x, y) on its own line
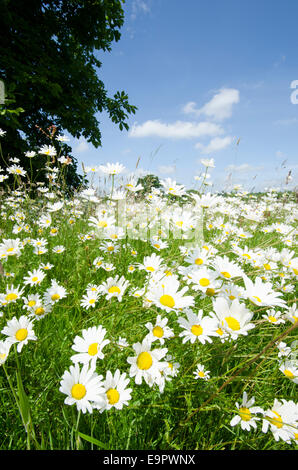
(205, 280)
(40, 310)
(291, 313)
(19, 331)
(151, 263)
(97, 262)
(168, 372)
(166, 295)
(233, 317)
(31, 301)
(225, 268)
(82, 387)
(114, 287)
(159, 331)
(197, 327)
(284, 350)
(290, 370)
(146, 364)
(4, 351)
(34, 277)
(112, 168)
(54, 293)
(108, 267)
(201, 372)
(116, 392)
(109, 247)
(48, 150)
(58, 249)
(89, 300)
(262, 294)
(197, 257)
(246, 414)
(282, 419)
(89, 346)
(171, 187)
(274, 317)
(13, 294)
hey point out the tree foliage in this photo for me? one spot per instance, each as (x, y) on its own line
(50, 67)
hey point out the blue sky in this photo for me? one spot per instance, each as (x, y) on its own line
(203, 75)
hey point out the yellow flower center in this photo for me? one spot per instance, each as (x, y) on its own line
(11, 296)
(257, 298)
(78, 391)
(167, 301)
(93, 349)
(110, 248)
(55, 297)
(102, 223)
(233, 324)
(34, 279)
(272, 319)
(219, 331)
(244, 414)
(31, 303)
(21, 334)
(157, 331)
(288, 374)
(150, 268)
(226, 274)
(204, 282)
(91, 301)
(232, 297)
(210, 291)
(196, 330)
(201, 374)
(113, 396)
(276, 421)
(39, 311)
(144, 361)
(295, 271)
(199, 261)
(9, 250)
(114, 289)
(245, 255)
(267, 266)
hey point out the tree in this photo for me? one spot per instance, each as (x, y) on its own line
(49, 66)
(148, 182)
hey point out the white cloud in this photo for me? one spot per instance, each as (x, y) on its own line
(243, 168)
(82, 146)
(176, 130)
(167, 169)
(218, 108)
(216, 144)
(138, 6)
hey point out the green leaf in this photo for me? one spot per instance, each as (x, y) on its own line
(94, 441)
(24, 404)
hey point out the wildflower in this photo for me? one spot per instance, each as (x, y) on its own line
(262, 294)
(116, 394)
(166, 295)
(159, 331)
(146, 364)
(34, 277)
(4, 351)
(54, 293)
(246, 414)
(197, 327)
(201, 372)
(112, 168)
(290, 370)
(89, 346)
(19, 331)
(273, 317)
(114, 287)
(82, 387)
(234, 318)
(282, 419)
(48, 150)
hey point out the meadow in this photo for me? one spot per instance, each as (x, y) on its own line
(167, 321)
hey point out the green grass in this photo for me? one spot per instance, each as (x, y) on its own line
(189, 414)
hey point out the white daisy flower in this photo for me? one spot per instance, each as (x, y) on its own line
(82, 387)
(19, 331)
(116, 392)
(197, 327)
(89, 346)
(246, 414)
(146, 364)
